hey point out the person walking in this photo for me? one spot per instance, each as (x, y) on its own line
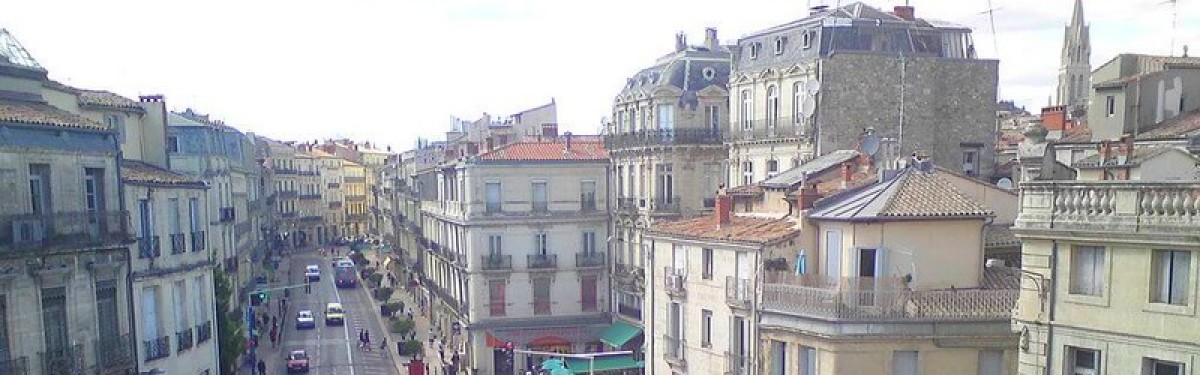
(262, 367)
(383, 344)
(367, 339)
(361, 339)
(274, 337)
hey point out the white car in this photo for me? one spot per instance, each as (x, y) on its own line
(344, 262)
(312, 272)
(305, 319)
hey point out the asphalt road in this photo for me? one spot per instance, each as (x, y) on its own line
(333, 349)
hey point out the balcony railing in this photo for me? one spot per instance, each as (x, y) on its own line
(542, 261)
(310, 196)
(869, 299)
(666, 204)
(1104, 207)
(199, 241)
(675, 282)
(14, 366)
(627, 204)
(496, 262)
(288, 215)
(63, 230)
(738, 292)
(630, 311)
(676, 347)
(643, 138)
(203, 332)
(287, 194)
(335, 205)
(355, 198)
(157, 348)
(333, 185)
(66, 360)
(763, 129)
(283, 170)
(183, 340)
(589, 260)
(312, 219)
(178, 243)
(114, 353)
(352, 180)
(149, 247)
(540, 207)
(737, 364)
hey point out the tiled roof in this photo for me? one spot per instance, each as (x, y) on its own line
(1007, 277)
(1079, 133)
(999, 235)
(746, 190)
(739, 228)
(134, 171)
(1184, 125)
(1140, 155)
(42, 114)
(106, 99)
(793, 176)
(1119, 82)
(911, 194)
(583, 148)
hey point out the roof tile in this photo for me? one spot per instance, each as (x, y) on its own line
(42, 114)
(135, 171)
(1184, 125)
(583, 148)
(106, 99)
(739, 228)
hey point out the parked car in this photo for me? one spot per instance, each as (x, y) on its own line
(297, 361)
(305, 320)
(334, 314)
(312, 272)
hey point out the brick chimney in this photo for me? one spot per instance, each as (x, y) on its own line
(847, 173)
(807, 196)
(1105, 152)
(550, 130)
(906, 12)
(567, 135)
(724, 208)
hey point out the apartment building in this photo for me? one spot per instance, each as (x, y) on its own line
(512, 250)
(64, 234)
(354, 190)
(329, 168)
(1134, 93)
(702, 278)
(310, 218)
(1110, 264)
(666, 152)
(810, 86)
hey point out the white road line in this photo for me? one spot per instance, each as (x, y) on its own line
(345, 329)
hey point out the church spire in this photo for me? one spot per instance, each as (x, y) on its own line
(1074, 75)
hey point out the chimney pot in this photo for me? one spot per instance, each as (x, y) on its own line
(807, 196)
(567, 135)
(905, 12)
(680, 42)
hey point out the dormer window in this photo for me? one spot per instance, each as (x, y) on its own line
(709, 73)
(779, 45)
(806, 39)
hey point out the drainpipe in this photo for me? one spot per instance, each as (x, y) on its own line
(1050, 322)
(126, 223)
(649, 293)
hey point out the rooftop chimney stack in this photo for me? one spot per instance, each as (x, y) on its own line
(905, 11)
(680, 42)
(567, 135)
(723, 209)
(807, 196)
(711, 41)
(550, 130)
(847, 173)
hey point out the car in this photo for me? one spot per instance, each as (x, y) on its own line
(305, 319)
(312, 272)
(344, 262)
(297, 361)
(334, 314)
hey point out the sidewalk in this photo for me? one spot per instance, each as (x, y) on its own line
(272, 357)
(421, 324)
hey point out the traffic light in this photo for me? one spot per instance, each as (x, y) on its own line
(258, 298)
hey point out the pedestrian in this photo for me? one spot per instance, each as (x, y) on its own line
(383, 344)
(367, 339)
(262, 367)
(274, 337)
(361, 340)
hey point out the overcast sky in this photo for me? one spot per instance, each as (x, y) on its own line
(393, 70)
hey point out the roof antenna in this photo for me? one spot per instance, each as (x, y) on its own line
(1174, 21)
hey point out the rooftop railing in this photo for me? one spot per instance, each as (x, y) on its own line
(1110, 206)
(662, 137)
(21, 232)
(866, 299)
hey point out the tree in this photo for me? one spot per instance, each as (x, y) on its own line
(230, 334)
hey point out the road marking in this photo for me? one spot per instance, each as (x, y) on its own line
(345, 329)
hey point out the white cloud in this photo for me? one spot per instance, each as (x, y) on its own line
(393, 70)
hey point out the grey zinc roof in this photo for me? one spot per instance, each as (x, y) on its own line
(685, 71)
(796, 175)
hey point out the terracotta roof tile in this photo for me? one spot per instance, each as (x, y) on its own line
(739, 228)
(1184, 125)
(999, 235)
(106, 99)
(583, 148)
(927, 194)
(1079, 133)
(746, 190)
(134, 171)
(42, 114)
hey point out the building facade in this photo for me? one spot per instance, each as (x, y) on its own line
(358, 217)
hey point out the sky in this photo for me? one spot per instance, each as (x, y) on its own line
(389, 71)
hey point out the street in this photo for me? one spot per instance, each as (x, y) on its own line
(331, 349)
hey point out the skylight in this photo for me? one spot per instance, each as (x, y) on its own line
(11, 52)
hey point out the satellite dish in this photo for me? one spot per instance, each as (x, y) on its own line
(870, 145)
(813, 87)
(808, 106)
(1005, 183)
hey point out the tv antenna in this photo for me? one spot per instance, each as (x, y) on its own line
(991, 13)
(1174, 22)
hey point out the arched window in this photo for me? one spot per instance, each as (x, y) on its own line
(747, 107)
(797, 101)
(772, 106)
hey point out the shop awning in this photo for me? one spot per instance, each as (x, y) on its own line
(619, 333)
(607, 363)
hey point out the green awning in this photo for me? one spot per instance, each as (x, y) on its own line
(619, 333)
(606, 363)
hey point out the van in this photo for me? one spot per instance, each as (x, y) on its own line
(334, 314)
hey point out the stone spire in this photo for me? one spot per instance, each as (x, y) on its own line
(1074, 74)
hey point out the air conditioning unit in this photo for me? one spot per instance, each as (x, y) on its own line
(30, 230)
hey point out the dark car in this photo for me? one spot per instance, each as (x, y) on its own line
(297, 361)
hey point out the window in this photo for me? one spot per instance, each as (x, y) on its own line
(541, 296)
(970, 160)
(194, 223)
(806, 39)
(146, 225)
(39, 189)
(587, 290)
(199, 304)
(833, 254)
(747, 172)
(539, 244)
(587, 195)
(1110, 106)
(173, 216)
(772, 106)
(807, 361)
(705, 328)
(747, 110)
(1170, 276)
(666, 117)
(991, 362)
(93, 191)
(540, 201)
(665, 184)
(772, 168)
(179, 295)
(620, 181)
(779, 45)
(589, 242)
(706, 256)
(1152, 366)
(54, 319)
(492, 198)
(496, 301)
(1087, 270)
(172, 144)
(797, 102)
(754, 50)
(904, 362)
(1082, 361)
(675, 329)
(778, 357)
(712, 115)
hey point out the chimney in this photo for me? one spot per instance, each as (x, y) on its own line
(807, 196)
(550, 130)
(847, 173)
(710, 38)
(150, 98)
(680, 42)
(1105, 152)
(723, 209)
(567, 135)
(904, 11)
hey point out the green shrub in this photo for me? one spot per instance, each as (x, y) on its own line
(395, 306)
(382, 294)
(411, 347)
(401, 326)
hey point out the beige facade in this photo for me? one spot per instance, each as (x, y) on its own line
(333, 200)
(355, 192)
(768, 133)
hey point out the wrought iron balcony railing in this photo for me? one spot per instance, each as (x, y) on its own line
(183, 340)
(287, 194)
(541, 261)
(115, 353)
(157, 348)
(496, 262)
(765, 129)
(666, 204)
(662, 137)
(65, 360)
(310, 196)
(589, 260)
(149, 247)
(62, 230)
(198, 241)
(203, 332)
(675, 282)
(178, 243)
(627, 204)
(228, 214)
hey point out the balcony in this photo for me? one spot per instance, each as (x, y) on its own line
(333, 185)
(66, 360)
(14, 366)
(335, 205)
(310, 196)
(1111, 210)
(661, 137)
(157, 348)
(541, 261)
(540, 207)
(114, 355)
(149, 247)
(284, 171)
(355, 180)
(228, 214)
(288, 215)
(502, 262)
(178, 243)
(312, 219)
(356, 198)
(666, 204)
(627, 204)
(287, 194)
(198, 241)
(63, 230)
(739, 293)
(883, 300)
(676, 347)
(675, 282)
(764, 129)
(183, 340)
(590, 260)
(630, 311)
(737, 364)
(203, 332)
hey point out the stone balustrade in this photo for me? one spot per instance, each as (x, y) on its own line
(1110, 206)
